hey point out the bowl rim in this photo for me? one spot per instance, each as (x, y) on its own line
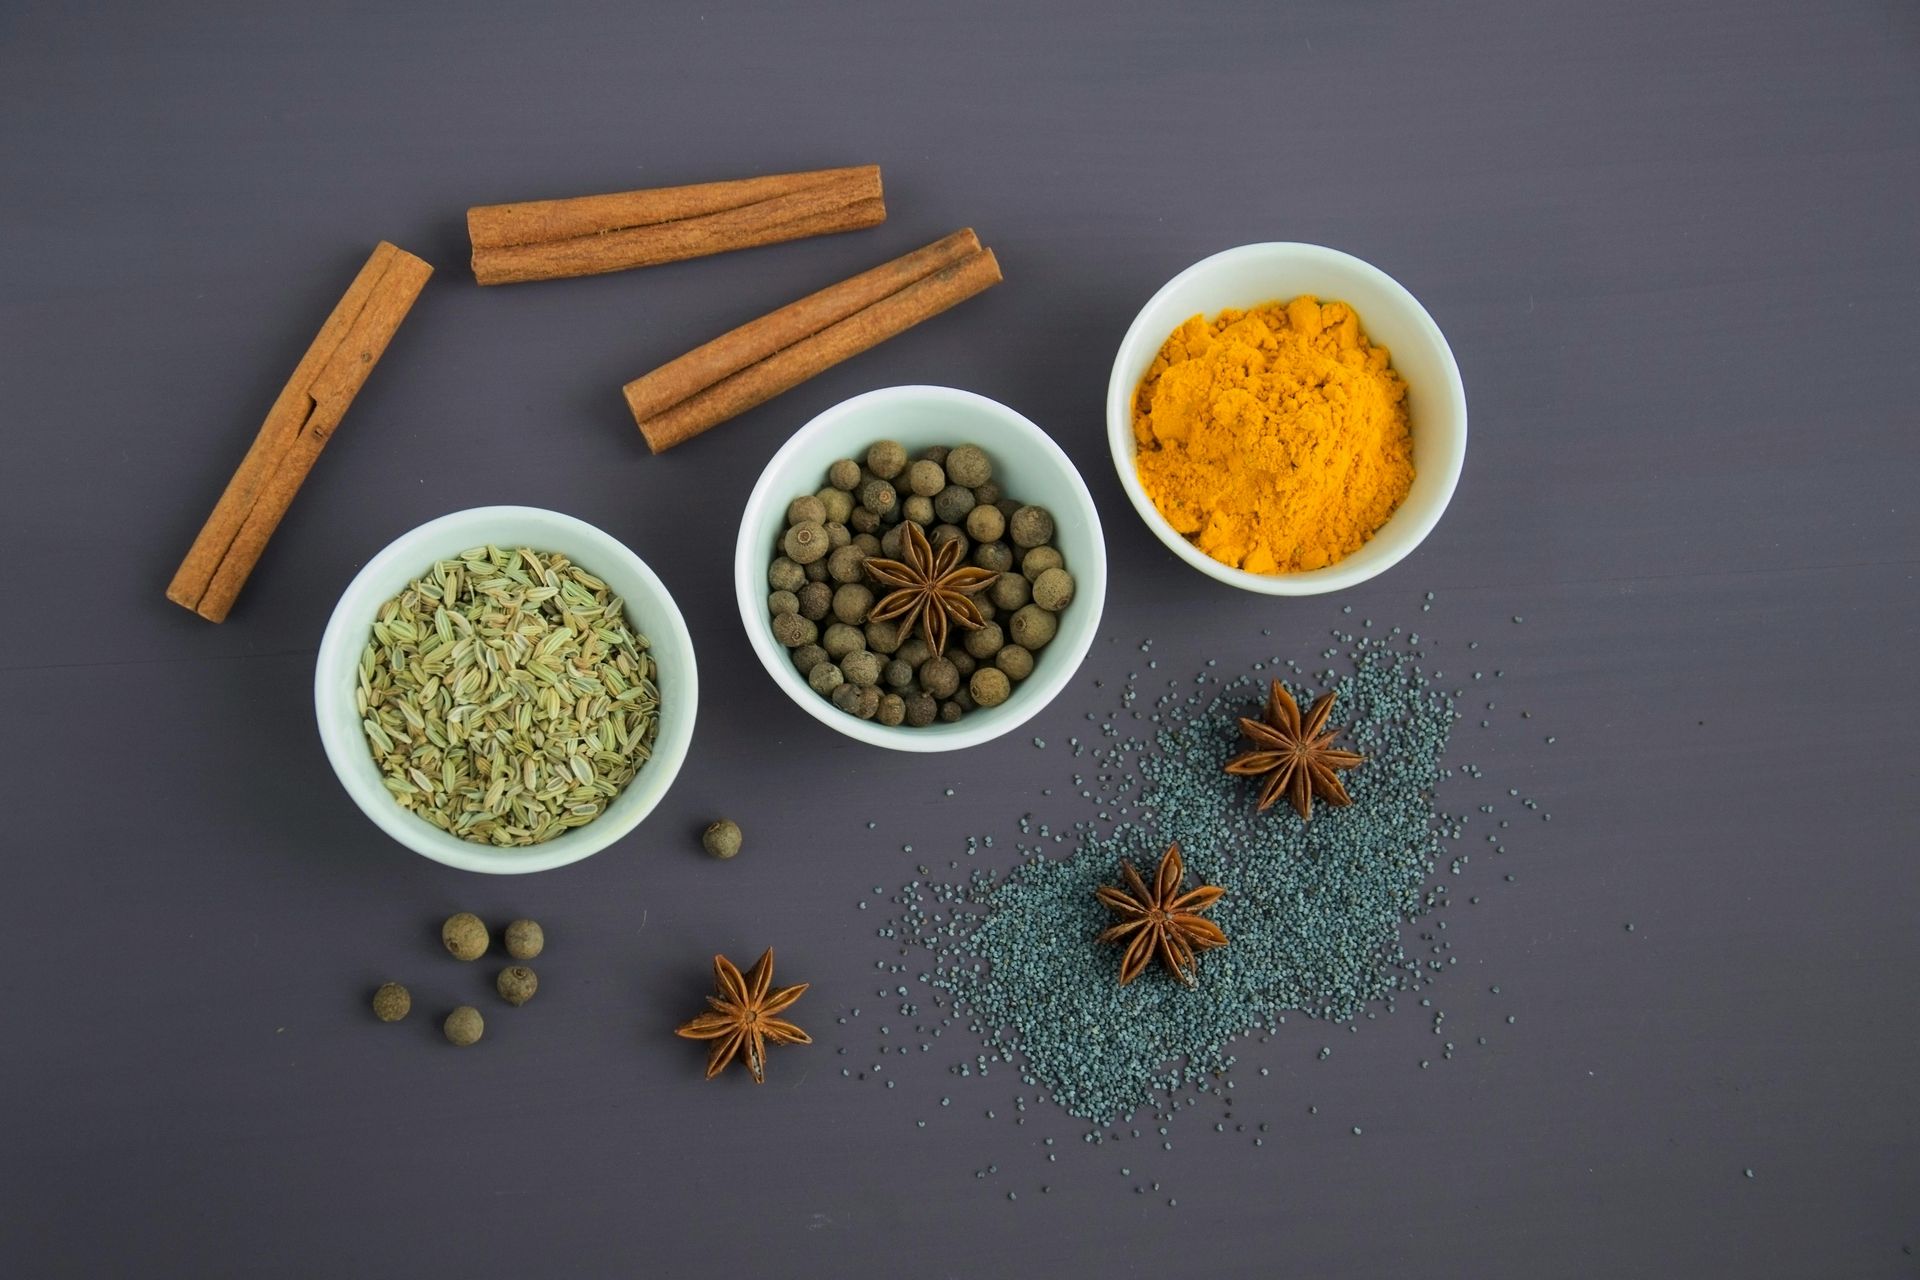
(1341, 574)
(351, 618)
(749, 576)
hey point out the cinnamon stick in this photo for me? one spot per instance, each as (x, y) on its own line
(656, 392)
(588, 235)
(297, 428)
(750, 365)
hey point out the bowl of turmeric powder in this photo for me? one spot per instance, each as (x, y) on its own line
(1287, 418)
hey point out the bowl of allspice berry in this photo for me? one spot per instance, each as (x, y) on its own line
(921, 568)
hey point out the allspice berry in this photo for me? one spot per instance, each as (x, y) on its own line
(794, 629)
(861, 667)
(1039, 560)
(953, 503)
(941, 534)
(722, 839)
(1053, 590)
(926, 478)
(1009, 591)
(1030, 527)
(985, 524)
(784, 575)
(844, 474)
(939, 677)
(1032, 627)
(852, 602)
(516, 984)
(990, 686)
(968, 465)
(816, 598)
(984, 642)
(464, 936)
(525, 939)
(885, 458)
(878, 497)
(391, 1002)
(801, 510)
(464, 1026)
(1015, 660)
(838, 502)
(995, 557)
(841, 639)
(847, 564)
(806, 542)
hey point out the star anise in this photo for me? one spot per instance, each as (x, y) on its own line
(742, 1019)
(1296, 758)
(1161, 921)
(930, 588)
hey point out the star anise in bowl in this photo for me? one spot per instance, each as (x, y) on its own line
(930, 587)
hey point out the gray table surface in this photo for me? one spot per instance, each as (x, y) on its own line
(1673, 247)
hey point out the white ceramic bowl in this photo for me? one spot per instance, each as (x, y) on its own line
(1026, 462)
(1258, 273)
(650, 609)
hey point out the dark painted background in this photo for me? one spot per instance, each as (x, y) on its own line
(1674, 249)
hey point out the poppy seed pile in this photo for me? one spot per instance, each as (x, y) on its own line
(1312, 911)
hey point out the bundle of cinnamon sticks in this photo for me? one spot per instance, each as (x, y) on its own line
(587, 235)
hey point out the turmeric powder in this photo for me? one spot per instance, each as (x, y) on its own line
(1275, 439)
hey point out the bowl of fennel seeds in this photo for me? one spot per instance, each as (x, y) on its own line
(506, 690)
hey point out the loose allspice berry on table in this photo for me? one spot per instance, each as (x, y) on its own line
(464, 1026)
(516, 984)
(721, 839)
(464, 936)
(391, 1002)
(525, 939)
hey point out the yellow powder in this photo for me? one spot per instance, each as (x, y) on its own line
(1275, 439)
